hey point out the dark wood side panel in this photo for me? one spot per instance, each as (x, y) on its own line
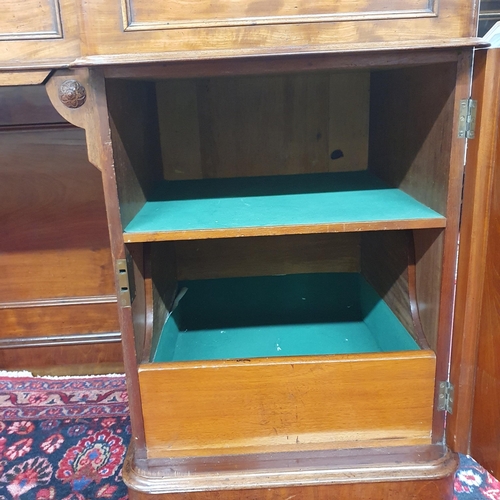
(409, 490)
(57, 286)
(55, 241)
(474, 426)
(26, 105)
(65, 359)
(58, 318)
(476, 344)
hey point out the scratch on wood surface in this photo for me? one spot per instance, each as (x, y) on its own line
(290, 497)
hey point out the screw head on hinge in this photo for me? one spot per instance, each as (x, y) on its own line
(72, 94)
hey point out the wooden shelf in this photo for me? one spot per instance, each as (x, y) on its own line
(276, 316)
(259, 206)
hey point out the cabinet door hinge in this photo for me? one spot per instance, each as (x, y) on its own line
(467, 119)
(123, 283)
(445, 398)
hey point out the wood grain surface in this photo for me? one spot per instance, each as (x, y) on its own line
(287, 403)
(417, 472)
(207, 259)
(472, 428)
(264, 125)
(38, 34)
(110, 34)
(77, 359)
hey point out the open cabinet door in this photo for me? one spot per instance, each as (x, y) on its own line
(474, 426)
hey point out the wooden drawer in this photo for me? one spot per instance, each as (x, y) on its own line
(258, 405)
(279, 363)
(192, 29)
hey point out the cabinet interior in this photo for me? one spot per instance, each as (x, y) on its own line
(289, 216)
(293, 155)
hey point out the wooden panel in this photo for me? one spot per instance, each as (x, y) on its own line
(57, 277)
(472, 269)
(232, 127)
(207, 259)
(113, 31)
(30, 19)
(287, 404)
(53, 273)
(38, 33)
(59, 318)
(55, 241)
(26, 105)
(141, 15)
(409, 490)
(485, 436)
(476, 350)
(64, 359)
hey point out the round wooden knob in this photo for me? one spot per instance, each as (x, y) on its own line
(72, 94)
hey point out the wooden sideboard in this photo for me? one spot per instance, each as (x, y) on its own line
(269, 169)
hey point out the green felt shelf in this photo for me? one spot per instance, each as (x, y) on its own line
(292, 315)
(290, 203)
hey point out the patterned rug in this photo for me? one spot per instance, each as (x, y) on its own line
(65, 439)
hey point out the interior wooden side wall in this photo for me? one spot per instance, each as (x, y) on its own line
(411, 118)
(134, 133)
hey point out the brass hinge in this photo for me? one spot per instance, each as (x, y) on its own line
(445, 398)
(467, 119)
(123, 283)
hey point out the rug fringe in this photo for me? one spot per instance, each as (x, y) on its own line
(27, 374)
(69, 377)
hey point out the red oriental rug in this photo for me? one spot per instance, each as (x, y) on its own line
(65, 439)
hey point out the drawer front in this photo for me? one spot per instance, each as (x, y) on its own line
(162, 30)
(38, 33)
(253, 406)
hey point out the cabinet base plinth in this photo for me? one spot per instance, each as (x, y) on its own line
(410, 473)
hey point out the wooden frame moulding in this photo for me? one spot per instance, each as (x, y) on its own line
(92, 115)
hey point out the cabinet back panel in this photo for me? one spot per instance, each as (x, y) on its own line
(262, 256)
(267, 125)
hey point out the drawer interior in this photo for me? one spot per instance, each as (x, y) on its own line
(269, 316)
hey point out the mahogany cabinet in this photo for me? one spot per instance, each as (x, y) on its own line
(284, 188)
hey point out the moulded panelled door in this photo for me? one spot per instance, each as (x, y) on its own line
(123, 30)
